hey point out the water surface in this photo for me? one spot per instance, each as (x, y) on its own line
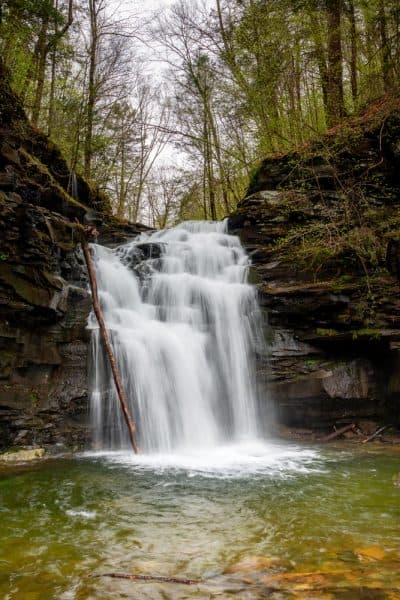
(246, 523)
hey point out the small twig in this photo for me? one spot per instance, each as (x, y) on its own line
(377, 432)
(133, 577)
(338, 432)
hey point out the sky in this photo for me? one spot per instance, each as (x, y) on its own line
(152, 4)
(170, 156)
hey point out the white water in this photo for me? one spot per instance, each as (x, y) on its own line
(230, 461)
(184, 335)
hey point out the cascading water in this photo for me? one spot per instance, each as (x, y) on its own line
(185, 325)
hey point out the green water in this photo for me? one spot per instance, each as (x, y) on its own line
(334, 516)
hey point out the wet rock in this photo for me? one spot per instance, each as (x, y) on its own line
(22, 455)
(113, 233)
(136, 253)
(143, 258)
(7, 180)
(348, 380)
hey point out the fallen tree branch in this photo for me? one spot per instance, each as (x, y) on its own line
(107, 343)
(377, 432)
(133, 577)
(339, 432)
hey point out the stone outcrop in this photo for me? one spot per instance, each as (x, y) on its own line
(43, 299)
(322, 226)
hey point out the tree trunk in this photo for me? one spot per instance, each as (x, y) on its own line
(335, 97)
(91, 101)
(209, 168)
(53, 79)
(338, 432)
(41, 51)
(353, 49)
(216, 142)
(122, 185)
(385, 49)
(320, 57)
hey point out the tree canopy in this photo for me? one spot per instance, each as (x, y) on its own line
(234, 81)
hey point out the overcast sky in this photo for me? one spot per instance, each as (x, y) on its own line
(151, 4)
(153, 53)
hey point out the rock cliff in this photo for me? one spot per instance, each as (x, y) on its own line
(43, 299)
(322, 225)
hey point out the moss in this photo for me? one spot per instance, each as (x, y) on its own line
(34, 398)
(365, 332)
(326, 332)
(253, 277)
(254, 174)
(50, 181)
(10, 107)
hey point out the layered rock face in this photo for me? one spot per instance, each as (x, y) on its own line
(322, 226)
(43, 299)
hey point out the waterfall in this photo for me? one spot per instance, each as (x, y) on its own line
(185, 325)
(74, 185)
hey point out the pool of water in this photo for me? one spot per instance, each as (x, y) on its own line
(252, 521)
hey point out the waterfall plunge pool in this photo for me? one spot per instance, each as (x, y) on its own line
(257, 521)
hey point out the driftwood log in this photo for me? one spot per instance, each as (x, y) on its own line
(130, 423)
(133, 577)
(339, 432)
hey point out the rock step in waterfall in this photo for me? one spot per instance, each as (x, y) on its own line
(185, 326)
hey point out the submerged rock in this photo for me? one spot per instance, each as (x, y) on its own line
(369, 553)
(252, 564)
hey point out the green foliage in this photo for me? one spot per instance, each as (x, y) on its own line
(34, 398)
(249, 79)
(326, 332)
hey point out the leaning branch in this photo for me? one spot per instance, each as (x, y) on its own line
(107, 343)
(376, 433)
(60, 33)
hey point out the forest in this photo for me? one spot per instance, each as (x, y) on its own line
(169, 111)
